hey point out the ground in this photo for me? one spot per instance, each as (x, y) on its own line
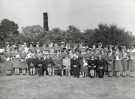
(34, 87)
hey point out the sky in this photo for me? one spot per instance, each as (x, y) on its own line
(83, 14)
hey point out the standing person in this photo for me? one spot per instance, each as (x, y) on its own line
(100, 67)
(131, 62)
(23, 66)
(9, 65)
(44, 62)
(31, 62)
(16, 65)
(75, 66)
(104, 58)
(92, 67)
(31, 66)
(50, 65)
(124, 62)
(117, 63)
(40, 66)
(110, 59)
(84, 68)
(66, 62)
(58, 65)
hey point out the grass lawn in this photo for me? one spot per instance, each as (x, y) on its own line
(34, 87)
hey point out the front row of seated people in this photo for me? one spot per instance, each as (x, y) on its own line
(117, 63)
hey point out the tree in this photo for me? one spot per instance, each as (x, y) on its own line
(73, 29)
(75, 33)
(8, 30)
(88, 36)
(33, 29)
(111, 34)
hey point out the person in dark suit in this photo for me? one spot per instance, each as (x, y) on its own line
(100, 67)
(50, 65)
(35, 61)
(92, 67)
(40, 66)
(75, 66)
(44, 62)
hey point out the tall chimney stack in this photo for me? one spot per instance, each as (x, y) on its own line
(45, 21)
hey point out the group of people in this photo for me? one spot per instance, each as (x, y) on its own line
(97, 61)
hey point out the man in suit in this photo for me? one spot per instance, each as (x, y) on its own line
(92, 67)
(100, 67)
(44, 62)
(40, 66)
(75, 66)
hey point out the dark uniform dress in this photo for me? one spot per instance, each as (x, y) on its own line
(92, 68)
(40, 67)
(44, 63)
(100, 68)
(75, 67)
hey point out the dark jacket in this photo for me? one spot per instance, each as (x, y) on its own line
(101, 64)
(92, 64)
(75, 63)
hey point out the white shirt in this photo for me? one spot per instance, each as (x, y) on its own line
(66, 62)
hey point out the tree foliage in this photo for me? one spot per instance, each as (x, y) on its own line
(107, 34)
(32, 29)
(8, 30)
(111, 34)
